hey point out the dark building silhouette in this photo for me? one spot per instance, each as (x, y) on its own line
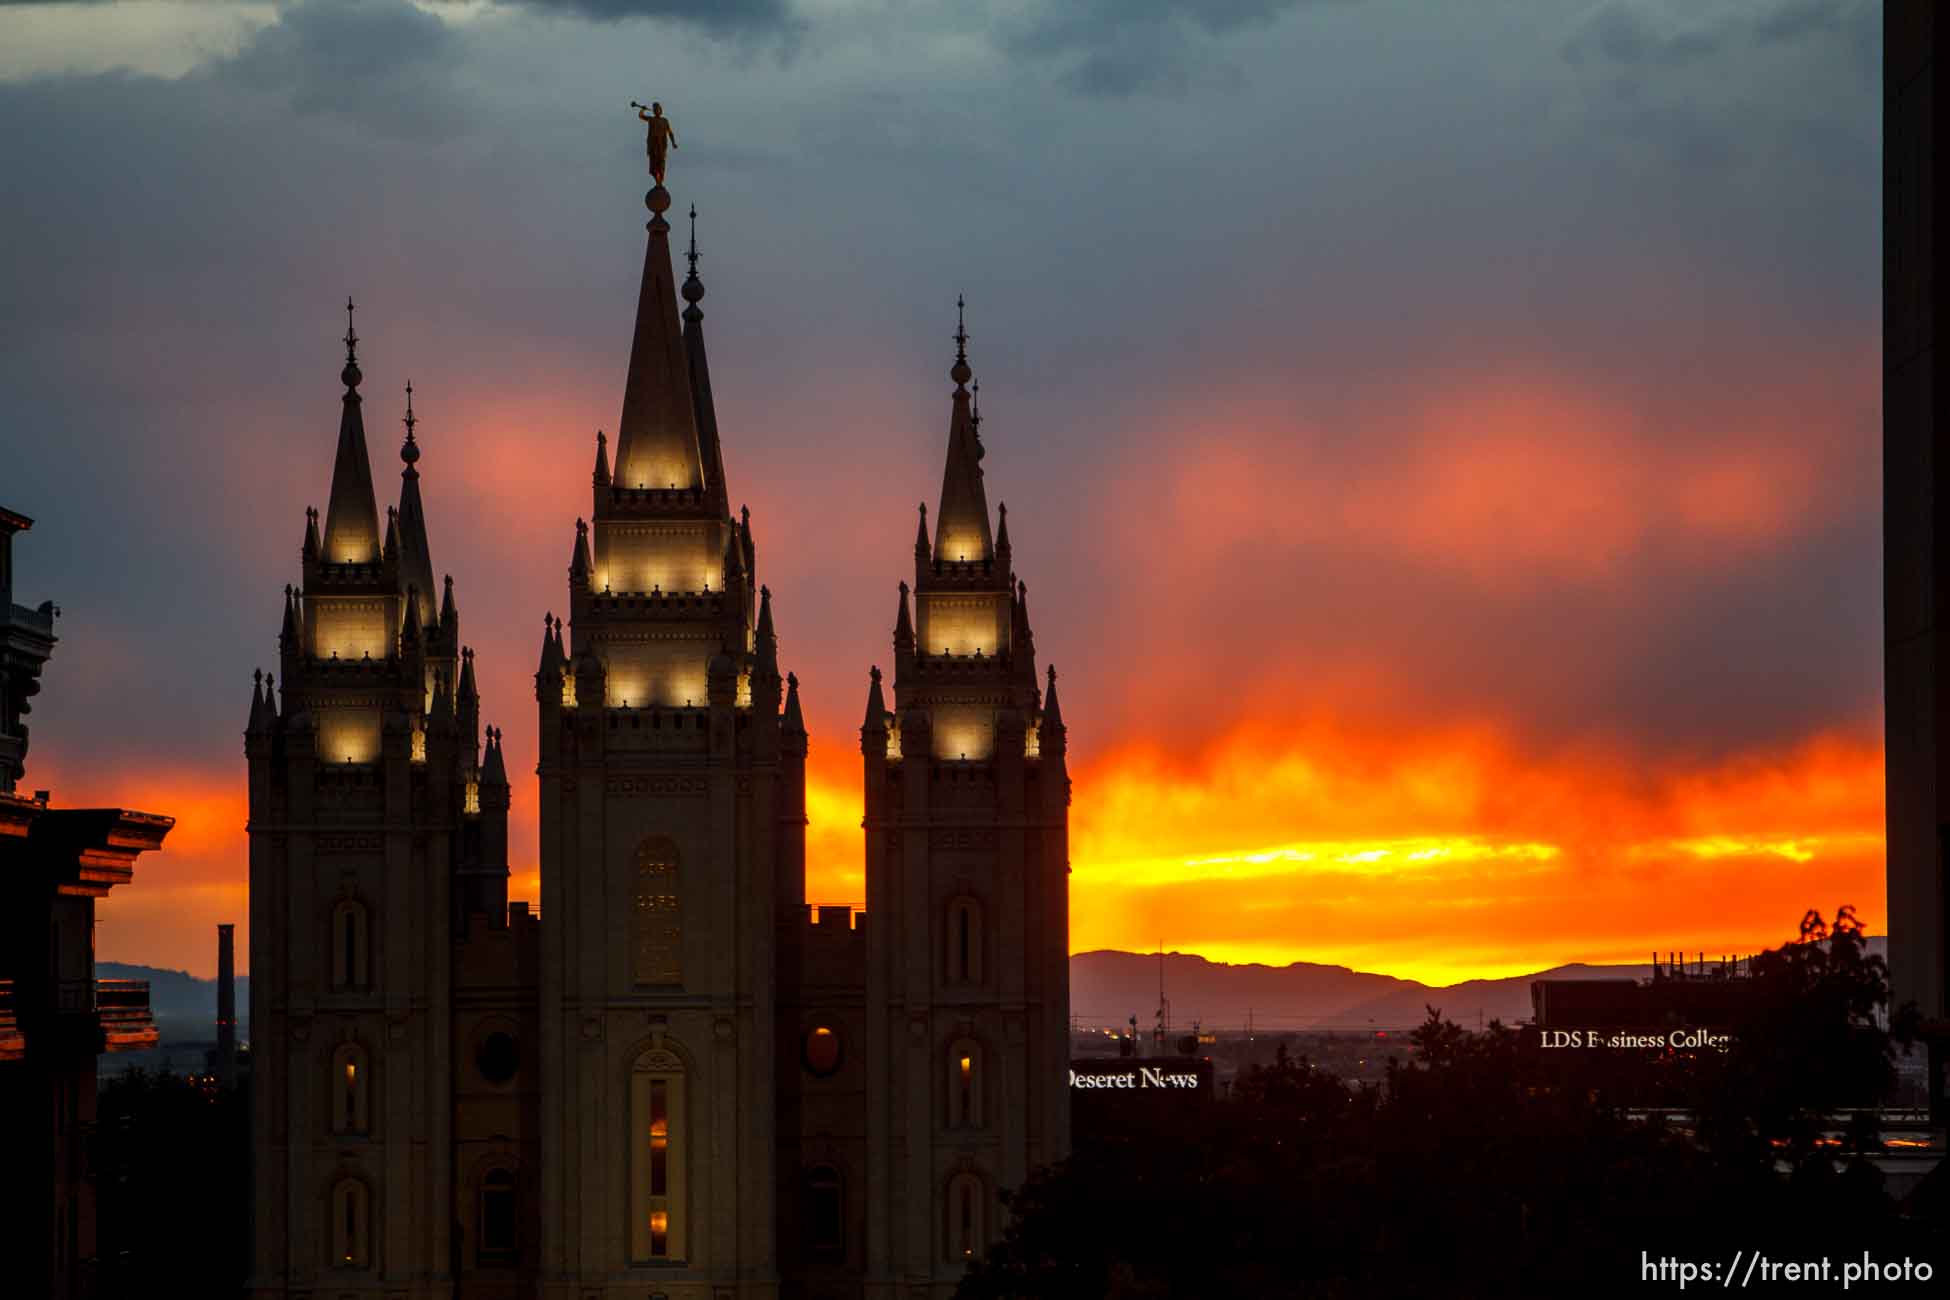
(1916, 522)
(55, 1016)
(679, 1079)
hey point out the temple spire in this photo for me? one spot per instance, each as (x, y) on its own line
(415, 559)
(961, 528)
(657, 438)
(601, 475)
(351, 515)
(711, 451)
(766, 637)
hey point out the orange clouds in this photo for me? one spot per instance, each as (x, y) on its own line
(169, 914)
(1452, 853)
(1505, 478)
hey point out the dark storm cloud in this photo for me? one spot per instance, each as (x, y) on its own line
(381, 64)
(711, 14)
(1115, 48)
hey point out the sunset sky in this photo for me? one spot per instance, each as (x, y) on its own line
(1441, 440)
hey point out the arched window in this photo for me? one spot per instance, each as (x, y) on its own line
(965, 1084)
(659, 923)
(351, 1224)
(350, 946)
(963, 942)
(825, 1220)
(494, 1233)
(967, 1213)
(659, 1155)
(351, 1089)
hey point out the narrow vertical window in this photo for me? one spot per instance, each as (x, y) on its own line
(496, 1229)
(351, 1221)
(964, 1211)
(349, 948)
(965, 1085)
(825, 1218)
(967, 1221)
(658, 1158)
(351, 1090)
(962, 942)
(659, 1137)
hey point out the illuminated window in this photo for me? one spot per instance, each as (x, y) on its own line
(351, 1224)
(495, 1232)
(350, 946)
(825, 1211)
(966, 1206)
(351, 1087)
(823, 1051)
(964, 942)
(658, 1158)
(658, 919)
(965, 1084)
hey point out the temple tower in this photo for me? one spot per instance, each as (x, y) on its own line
(967, 875)
(372, 821)
(672, 819)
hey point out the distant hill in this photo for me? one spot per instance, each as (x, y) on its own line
(184, 1006)
(1107, 987)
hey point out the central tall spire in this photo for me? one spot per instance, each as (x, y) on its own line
(657, 438)
(961, 527)
(351, 514)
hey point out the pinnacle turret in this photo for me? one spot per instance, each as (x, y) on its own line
(876, 705)
(579, 561)
(710, 449)
(415, 556)
(601, 475)
(766, 637)
(494, 771)
(794, 723)
(903, 625)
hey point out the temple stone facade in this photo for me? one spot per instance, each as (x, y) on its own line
(679, 1079)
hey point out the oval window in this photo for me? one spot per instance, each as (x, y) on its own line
(498, 1058)
(822, 1050)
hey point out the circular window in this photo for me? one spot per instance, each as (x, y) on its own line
(822, 1050)
(498, 1058)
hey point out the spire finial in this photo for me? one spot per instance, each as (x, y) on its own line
(959, 372)
(409, 450)
(693, 287)
(350, 376)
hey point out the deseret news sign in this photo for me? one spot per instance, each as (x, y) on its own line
(1186, 1076)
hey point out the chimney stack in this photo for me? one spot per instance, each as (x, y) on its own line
(226, 1005)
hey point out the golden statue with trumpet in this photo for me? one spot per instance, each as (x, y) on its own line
(661, 137)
